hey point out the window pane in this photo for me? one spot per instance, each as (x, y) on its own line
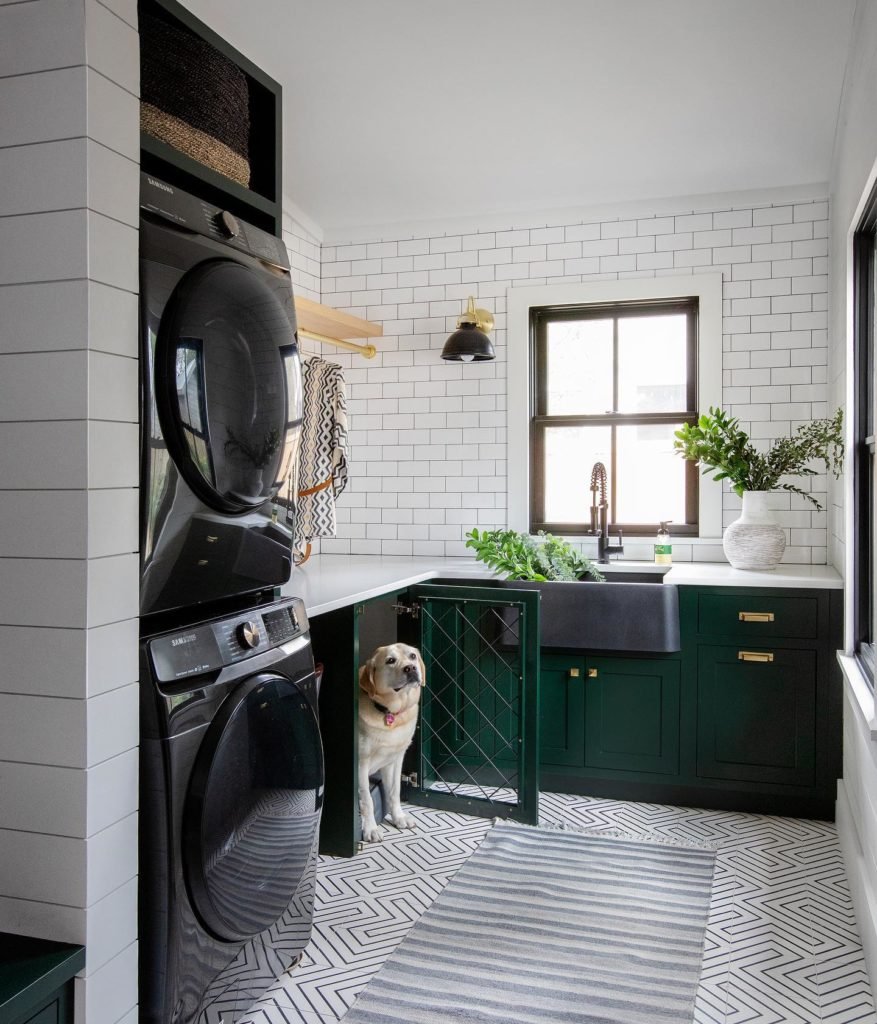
(652, 363)
(570, 452)
(651, 478)
(579, 367)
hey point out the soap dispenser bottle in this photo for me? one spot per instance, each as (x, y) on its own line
(663, 547)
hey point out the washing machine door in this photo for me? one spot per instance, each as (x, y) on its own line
(253, 808)
(228, 383)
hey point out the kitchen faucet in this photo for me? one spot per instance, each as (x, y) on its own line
(600, 516)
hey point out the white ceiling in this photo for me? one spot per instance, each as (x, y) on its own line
(400, 111)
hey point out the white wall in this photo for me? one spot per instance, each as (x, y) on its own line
(852, 176)
(303, 240)
(429, 448)
(69, 151)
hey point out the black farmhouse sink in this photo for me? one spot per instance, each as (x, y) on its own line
(618, 615)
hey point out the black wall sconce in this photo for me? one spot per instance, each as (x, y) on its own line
(470, 340)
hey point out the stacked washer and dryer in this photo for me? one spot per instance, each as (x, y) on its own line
(231, 758)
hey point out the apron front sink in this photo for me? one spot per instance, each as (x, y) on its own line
(612, 616)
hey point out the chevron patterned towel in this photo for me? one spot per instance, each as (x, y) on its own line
(324, 447)
(548, 927)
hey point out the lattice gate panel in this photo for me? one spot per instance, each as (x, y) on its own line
(476, 749)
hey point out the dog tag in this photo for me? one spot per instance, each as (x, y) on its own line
(389, 718)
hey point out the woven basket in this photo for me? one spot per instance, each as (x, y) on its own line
(194, 98)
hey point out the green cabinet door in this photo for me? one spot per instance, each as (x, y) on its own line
(632, 714)
(562, 710)
(756, 718)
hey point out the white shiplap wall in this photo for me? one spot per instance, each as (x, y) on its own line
(69, 150)
(428, 438)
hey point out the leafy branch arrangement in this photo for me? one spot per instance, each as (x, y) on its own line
(521, 556)
(260, 455)
(717, 443)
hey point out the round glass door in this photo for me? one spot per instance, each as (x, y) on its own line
(253, 808)
(228, 385)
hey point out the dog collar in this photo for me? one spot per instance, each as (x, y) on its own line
(389, 717)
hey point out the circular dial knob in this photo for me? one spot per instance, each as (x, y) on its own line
(249, 634)
(227, 224)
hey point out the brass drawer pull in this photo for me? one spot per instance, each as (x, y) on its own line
(574, 673)
(755, 616)
(592, 673)
(754, 656)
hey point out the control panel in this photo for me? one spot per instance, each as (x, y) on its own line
(208, 647)
(187, 211)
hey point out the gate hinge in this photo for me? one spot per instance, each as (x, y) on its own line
(408, 609)
(410, 778)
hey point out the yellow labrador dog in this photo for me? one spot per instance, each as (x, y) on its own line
(389, 694)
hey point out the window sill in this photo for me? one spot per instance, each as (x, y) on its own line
(641, 538)
(861, 694)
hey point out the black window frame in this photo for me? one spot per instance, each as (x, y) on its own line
(863, 455)
(540, 318)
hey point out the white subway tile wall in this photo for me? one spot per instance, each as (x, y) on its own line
(428, 438)
(69, 153)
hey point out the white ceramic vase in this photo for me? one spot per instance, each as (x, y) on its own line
(755, 540)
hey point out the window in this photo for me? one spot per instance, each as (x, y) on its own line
(706, 377)
(611, 382)
(864, 269)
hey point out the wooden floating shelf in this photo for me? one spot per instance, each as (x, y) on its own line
(333, 327)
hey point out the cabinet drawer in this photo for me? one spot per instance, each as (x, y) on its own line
(759, 617)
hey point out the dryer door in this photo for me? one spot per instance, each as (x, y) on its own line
(253, 808)
(228, 383)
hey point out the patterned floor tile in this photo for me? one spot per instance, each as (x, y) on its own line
(781, 944)
(274, 1014)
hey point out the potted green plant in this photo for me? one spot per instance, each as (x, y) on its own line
(521, 556)
(716, 442)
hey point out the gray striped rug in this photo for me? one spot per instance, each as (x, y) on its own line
(546, 927)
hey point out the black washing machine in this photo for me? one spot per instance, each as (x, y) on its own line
(231, 791)
(221, 403)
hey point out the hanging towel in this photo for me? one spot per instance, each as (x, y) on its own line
(324, 446)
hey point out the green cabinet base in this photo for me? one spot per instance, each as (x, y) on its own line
(751, 800)
(746, 717)
(36, 980)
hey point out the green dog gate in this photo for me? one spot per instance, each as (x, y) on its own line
(476, 746)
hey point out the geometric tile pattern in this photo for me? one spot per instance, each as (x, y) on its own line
(781, 942)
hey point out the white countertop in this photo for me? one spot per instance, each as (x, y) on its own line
(327, 582)
(720, 574)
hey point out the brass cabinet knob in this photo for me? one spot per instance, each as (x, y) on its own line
(592, 673)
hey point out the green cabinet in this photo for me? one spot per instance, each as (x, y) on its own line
(562, 710)
(613, 713)
(756, 715)
(36, 980)
(747, 716)
(766, 698)
(632, 714)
